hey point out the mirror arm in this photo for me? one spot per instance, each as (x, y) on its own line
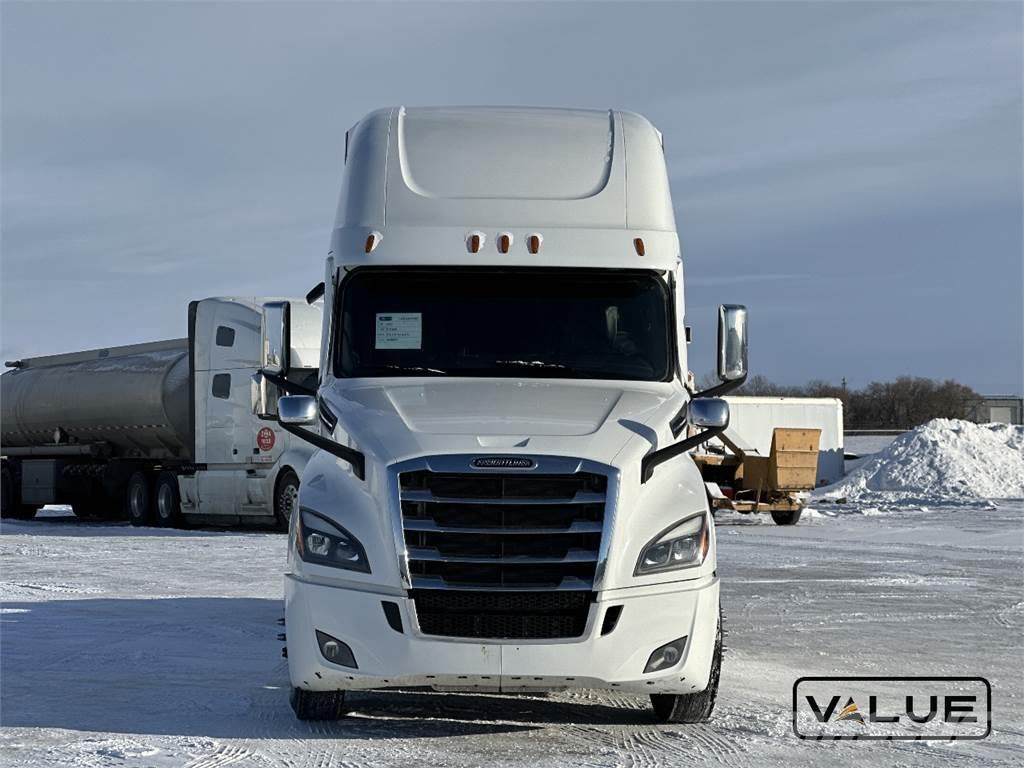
(352, 456)
(720, 389)
(656, 458)
(316, 292)
(288, 386)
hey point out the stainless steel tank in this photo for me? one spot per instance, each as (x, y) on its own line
(134, 398)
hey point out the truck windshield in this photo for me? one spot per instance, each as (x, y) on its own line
(553, 323)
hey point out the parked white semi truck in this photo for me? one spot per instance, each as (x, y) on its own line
(158, 432)
(503, 497)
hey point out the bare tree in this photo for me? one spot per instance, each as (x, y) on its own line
(901, 404)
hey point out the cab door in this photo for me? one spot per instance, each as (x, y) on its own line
(227, 353)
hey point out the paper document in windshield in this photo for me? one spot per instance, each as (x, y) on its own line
(399, 330)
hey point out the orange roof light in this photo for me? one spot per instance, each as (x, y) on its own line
(638, 243)
(372, 241)
(504, 242)
(474, 242)
(533, 243)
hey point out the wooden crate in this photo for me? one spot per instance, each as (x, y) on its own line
(793, 462)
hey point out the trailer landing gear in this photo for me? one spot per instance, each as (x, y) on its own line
(317, 705)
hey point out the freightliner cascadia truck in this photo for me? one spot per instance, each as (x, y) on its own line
(503, 497)
(160, 433)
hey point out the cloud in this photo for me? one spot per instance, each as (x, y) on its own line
(829, 160)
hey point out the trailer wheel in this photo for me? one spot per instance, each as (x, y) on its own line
(10, 507)
(787, 518)
(286, 498)
(692, 707)
(138, 499)
(168, 501)
(317, 705)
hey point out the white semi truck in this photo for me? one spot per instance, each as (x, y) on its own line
(160, 433)
(503, 497)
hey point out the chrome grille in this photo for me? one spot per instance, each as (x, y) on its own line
(509, 540)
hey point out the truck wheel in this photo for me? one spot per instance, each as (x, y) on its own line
(317, 705)
(286, 498)
(9, 505)
(168, 501)
(138, 499)
(787, 518)
(692, 707)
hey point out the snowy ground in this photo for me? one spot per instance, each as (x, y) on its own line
(139, 647)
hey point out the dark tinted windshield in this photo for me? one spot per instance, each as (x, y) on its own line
(555, 323)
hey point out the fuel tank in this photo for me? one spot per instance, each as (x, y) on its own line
(134, 398)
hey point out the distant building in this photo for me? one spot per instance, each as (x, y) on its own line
(1004, 409)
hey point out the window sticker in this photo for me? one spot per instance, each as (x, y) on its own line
(399, 330)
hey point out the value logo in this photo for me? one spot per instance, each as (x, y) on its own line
(892, 708)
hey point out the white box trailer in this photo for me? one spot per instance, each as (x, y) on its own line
(755, 418)
(158, 432)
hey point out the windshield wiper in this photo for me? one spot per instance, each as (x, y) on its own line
(407, 369)
(531, 364)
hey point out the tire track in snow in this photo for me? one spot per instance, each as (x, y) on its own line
(226, 754)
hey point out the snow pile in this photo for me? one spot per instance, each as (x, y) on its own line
(945, 461)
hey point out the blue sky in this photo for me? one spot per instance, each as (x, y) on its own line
(852, 172)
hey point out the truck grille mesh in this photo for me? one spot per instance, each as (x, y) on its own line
(502, 556)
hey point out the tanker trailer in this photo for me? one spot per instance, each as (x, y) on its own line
(159, 433)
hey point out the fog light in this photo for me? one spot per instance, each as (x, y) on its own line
(666, 656)
(335, 651)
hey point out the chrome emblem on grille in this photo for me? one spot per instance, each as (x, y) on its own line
(503, 462)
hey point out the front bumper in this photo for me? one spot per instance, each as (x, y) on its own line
(650, 617)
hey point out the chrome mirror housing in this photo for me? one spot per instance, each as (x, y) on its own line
(297, 410)
(264, 396)
(732, 342)
(275, 342)
(708, 413)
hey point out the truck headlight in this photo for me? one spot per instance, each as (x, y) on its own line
(324, 542)
(682, 546)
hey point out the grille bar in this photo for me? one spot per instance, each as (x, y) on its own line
(431, 555)
(568, 584)
(581, 497)
(427, 525)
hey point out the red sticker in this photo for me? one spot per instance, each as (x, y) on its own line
(265, 439)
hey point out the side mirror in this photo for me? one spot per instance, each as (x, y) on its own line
(709, 413)
(264, 396)
(297, 410)
(732, 342)
(275, 338)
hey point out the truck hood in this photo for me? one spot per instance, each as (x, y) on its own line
(399, 419)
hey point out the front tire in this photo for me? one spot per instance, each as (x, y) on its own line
(692, 707)
(787, 518)
(168, 501)
(317, 705)
(286, 499)
(138, 499)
